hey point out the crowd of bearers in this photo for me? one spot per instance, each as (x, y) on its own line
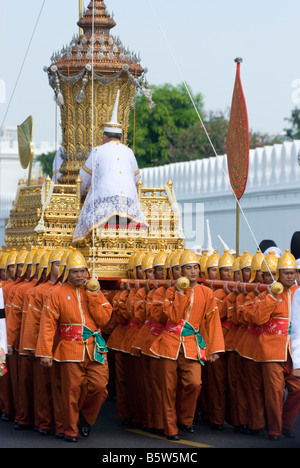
(223, 354)
(175, 351)
(57, 358)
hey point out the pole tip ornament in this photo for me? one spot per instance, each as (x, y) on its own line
(277, 288)
(238, 60)
(183, 282)
(92, 285)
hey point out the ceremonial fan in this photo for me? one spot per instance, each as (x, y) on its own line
(26, 149)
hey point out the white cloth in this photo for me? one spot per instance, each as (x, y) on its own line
(57, 162)
(295, 329)
(276, 250)
(3, 335)
(111, 188)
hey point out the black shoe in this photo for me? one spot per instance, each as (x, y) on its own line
(6, 417)
(273, 437)
(70, 439)
(217, 427)
(59, 435)
(173, 437)
(44, 432)
(84, 427)
(126, 422)
(258, 432)
(288, 434)
(186, 428)
(22, 427)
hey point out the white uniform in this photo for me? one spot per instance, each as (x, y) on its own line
(295, 329)
(111, 189)
(57, 162)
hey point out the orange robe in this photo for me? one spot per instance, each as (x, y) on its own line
(71, 308)
(198, 307)
(181, 371)
(69, 311)
(272, 316)
(124, 410)
(217, 376)
(247, 348)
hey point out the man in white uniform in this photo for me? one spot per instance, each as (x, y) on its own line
(109, 176)
(295, 333)
(57, 162)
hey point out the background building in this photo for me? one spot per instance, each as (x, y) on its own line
(270, 204)
(11, 171)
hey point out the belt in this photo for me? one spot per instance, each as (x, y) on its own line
(229, 325)
(78, 332)
(156, 328)
(186, 329)
(275, 326)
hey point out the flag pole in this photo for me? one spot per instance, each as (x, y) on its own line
(237, 237)
(80, 15)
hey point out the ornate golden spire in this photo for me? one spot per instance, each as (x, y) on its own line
(91, 70)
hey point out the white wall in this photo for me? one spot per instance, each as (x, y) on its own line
(271, 202)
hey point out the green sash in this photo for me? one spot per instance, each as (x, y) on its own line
(99, 343)
(189, 330)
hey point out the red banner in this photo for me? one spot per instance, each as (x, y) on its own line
(238, 139)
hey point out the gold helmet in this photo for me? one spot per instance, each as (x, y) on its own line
(28, 260)
(203, 261)
(147, 262)
(55, 256)
(174, 260)
(188, 257)
(43, 263)
(131, 260)
(246, 259)
(74, 261)
(212, 261)
(3, 260)
(63, 260)
(256, 262)
(226, 260)
(287, 261)
(235, 265)
(36, 260)
(21, 258)
(269, 263)
(161, 259)
(167, 264)
(11, 258)
(138, 260)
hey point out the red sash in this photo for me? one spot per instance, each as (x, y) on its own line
(229, 325)
(275, 326)
(156, 328)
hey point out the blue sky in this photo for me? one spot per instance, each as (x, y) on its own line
(199, 43)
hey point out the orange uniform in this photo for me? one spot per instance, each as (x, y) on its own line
(78, 316)
(114, 343)
(217, 379)
(272, 317)
(192, 333)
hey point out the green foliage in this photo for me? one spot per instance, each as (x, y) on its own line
(46, 161)
(293, 133)
(156, 128)
(172, 131)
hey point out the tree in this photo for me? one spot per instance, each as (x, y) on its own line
(46, 161)
(155, 128)
(293, 133)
